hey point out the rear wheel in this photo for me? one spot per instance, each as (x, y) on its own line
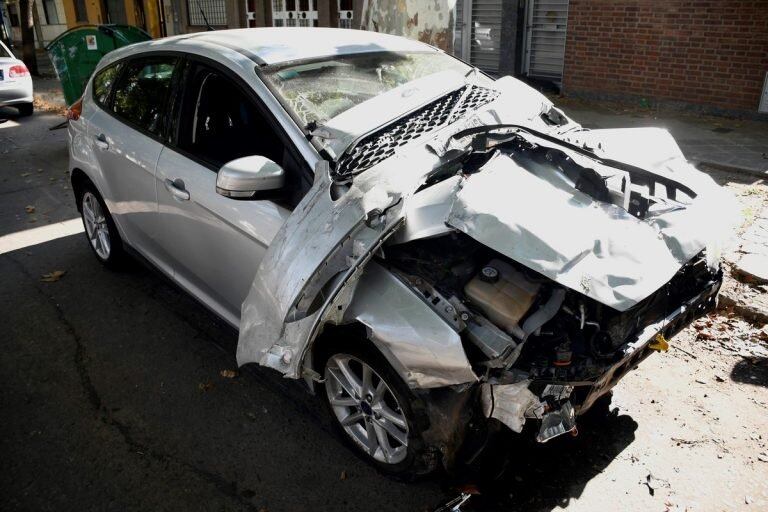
(100, 229)
(373, 409)
(26, 109)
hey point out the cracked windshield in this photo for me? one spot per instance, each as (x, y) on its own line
(321, 90)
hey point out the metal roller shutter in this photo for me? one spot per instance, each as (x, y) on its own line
(486, 35)
(546, 26)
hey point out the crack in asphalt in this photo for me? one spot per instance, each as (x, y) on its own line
(229, 488)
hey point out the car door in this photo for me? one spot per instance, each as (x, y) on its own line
(126, 137)
(215, 243)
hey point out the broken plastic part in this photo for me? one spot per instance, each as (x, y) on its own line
(659, 343)
(556, 423)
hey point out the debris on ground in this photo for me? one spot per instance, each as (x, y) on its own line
(30, 209)
(653, 483)
(731, 333)
(228, 374)
(52, 277)
(205, 386)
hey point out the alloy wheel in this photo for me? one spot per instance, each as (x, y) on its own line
(366, 408)
(96, 225)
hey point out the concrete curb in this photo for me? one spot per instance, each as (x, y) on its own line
(729, 168)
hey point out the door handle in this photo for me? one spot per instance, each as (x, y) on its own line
(101, 142)
(177, 190)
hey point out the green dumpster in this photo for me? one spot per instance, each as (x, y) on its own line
(76, 52)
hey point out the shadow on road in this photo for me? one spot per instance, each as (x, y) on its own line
(753, 370)
(541, 477)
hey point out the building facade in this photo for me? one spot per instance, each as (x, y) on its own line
(705, 54)
(49, 17)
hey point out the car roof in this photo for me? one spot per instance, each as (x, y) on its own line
(274, 45)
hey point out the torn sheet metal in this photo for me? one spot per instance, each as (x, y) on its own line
(419, 344)
(310, 270)
(595, 248)
(508, 403)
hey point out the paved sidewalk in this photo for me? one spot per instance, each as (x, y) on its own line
(730, 144)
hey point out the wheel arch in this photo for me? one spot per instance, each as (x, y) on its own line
(79, 179)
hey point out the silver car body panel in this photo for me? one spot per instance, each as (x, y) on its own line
(417, 342)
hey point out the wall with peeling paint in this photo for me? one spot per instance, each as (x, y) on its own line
(429, 21)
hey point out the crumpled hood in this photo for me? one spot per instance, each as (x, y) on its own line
(598, 249)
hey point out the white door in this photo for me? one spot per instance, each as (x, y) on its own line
(215, 243)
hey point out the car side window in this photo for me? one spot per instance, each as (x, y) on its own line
(141, 94)
(102, 84)
(220, 122)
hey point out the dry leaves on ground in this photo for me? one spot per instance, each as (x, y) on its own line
(228, 374)
(52, 277)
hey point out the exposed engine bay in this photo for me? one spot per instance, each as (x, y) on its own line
(542, 350)
(518, 326)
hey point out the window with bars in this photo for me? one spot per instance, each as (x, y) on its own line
(345, 13)
(294, 13)
(214, 11)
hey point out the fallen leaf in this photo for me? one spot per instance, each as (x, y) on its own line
(205, 386)
(343, 475)
(228, 374)
(30, 209)
(53, 276)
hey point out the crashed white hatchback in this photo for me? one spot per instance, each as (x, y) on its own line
(464, 254)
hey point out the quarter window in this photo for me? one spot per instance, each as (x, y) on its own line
(141, 94)
(102, 84)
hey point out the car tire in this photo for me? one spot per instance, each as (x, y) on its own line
(26, 109)
(380, 423)
(100, 230)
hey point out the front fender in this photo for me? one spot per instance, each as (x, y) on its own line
(422, 347)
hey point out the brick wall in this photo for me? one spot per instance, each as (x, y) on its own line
(702, 52)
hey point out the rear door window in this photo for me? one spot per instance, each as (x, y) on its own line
(142, 91)
(102, 84)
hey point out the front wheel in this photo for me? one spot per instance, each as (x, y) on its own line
(373, 409)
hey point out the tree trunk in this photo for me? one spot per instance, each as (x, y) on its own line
(27, 35)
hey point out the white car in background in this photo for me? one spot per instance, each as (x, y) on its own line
(434, 251)
(15, 83)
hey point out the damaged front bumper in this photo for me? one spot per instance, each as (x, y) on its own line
(557, 404)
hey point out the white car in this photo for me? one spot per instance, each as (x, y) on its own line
(15, 83)
(435, 251)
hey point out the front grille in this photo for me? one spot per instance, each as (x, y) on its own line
(382, 144)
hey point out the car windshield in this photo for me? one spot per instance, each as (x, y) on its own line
(317, 91)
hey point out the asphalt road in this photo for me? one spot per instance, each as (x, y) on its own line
(112, 398)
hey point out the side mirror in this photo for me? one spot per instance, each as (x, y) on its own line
(244, 177)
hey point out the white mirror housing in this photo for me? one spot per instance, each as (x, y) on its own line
(244, 177)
